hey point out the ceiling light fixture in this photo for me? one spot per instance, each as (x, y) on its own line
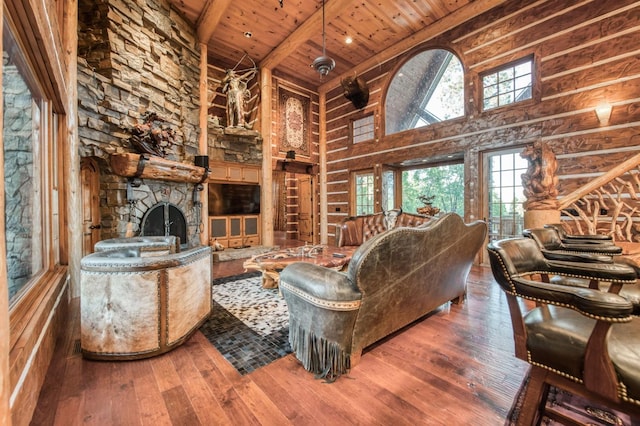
(323, 64)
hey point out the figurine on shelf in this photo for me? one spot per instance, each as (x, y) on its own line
(235, 87)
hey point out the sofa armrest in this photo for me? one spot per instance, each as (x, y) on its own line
(320, 286)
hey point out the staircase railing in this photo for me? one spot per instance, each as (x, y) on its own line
(608, 204)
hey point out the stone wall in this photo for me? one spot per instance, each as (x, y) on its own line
(21, 199)
(136, 57)
(234, 145)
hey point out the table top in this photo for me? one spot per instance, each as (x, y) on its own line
(328, 256)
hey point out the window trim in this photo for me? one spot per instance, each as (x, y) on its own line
(352, 121)
(353, 211)
(534, 83)
(466, 92)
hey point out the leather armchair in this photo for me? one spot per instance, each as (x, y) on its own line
(578, 238)
(549, 239)
(578, 339)
(392, 280)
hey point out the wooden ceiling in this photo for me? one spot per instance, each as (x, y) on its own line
(288, 39)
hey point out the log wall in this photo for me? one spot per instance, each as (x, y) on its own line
(585, 53)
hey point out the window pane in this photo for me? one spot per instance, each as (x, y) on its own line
(442, 185)
(427, 89)
(506, 214)
(362, 129)
(23, 205)
(388, 190)
(364, 193)
(514, 84)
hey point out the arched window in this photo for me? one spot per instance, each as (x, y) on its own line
(427, 89)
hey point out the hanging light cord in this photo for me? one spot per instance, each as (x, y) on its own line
(324, 47)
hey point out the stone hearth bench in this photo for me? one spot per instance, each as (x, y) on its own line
(136, 307)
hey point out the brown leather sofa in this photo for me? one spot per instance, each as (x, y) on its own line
(355, 230)
(393, 279)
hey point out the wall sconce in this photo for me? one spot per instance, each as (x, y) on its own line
(603, 112)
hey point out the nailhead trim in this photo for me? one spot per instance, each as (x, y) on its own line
(322, 303)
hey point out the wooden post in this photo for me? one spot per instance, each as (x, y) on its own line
(266, 192)
(203, 142)
(70, 144)
(324, 212)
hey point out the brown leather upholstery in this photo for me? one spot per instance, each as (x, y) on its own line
(393, 279)
(355, 230)
(579, 339)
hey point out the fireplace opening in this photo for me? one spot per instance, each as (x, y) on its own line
(165, 219)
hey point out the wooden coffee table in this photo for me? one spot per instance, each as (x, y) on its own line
(273, 262)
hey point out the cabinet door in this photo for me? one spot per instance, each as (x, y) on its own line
(218, 171)
(234, 173)
(250, 225)
(218, 227)
(235, 227)
(251, 175)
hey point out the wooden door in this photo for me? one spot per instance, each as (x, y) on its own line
(90, 181)
(305, 206)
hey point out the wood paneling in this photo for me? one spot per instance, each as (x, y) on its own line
(584, 54)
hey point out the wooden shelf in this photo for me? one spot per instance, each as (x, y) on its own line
(151, 167)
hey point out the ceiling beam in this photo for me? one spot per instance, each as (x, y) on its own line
(210, 18)
(448, 22)
(304, 32)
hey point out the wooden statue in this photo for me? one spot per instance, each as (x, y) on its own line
(540, 182)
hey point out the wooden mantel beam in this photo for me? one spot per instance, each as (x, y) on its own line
(459, 16)
(210, 18)
(304, 32)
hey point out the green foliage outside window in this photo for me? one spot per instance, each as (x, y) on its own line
(444, 183)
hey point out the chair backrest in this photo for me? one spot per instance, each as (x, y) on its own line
(547, 238)
(514, 257)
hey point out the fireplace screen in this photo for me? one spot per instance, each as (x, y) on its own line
(165, 219)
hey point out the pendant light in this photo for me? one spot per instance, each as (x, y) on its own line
(323, 64)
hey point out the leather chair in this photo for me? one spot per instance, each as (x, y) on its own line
(578, 238)
(578, 339)
(549, 239)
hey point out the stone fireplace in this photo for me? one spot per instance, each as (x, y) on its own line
(134, 60)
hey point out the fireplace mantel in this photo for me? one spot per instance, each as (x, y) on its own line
(152, 167)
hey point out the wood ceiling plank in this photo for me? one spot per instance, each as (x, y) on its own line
(304, 32)
(463, 14)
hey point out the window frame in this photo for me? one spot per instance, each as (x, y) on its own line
(496, 69)
(352, 123)
(38, 289)
(353, 202)
(382, 127)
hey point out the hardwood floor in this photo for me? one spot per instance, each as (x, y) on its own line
(454, 367)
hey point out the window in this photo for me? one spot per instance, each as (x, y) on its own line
(507, 85)
(443, 185)
(505, 194)
(364, 193)
(24, 129)
(388, 189)
(427, 89)
(362, 129)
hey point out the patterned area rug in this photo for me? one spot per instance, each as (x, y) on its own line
(575, 407)
(249, 324)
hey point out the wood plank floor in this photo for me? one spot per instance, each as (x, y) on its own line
(453, 367)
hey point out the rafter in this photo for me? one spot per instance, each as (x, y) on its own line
(304, 32)
(463, 14)
(210, 18)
